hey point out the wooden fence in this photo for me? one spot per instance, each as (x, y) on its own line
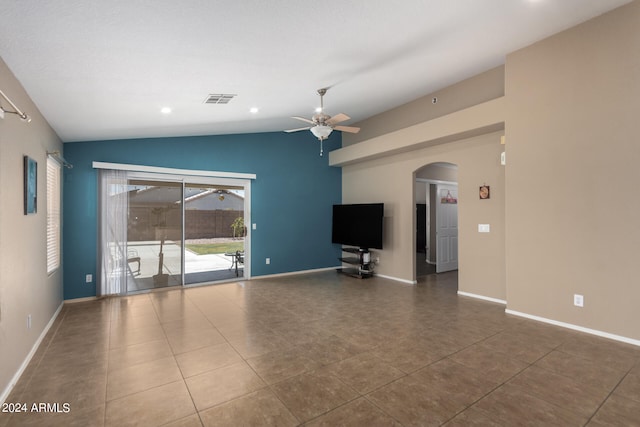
(143, 224)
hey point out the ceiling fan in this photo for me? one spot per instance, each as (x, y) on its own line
(321, 124)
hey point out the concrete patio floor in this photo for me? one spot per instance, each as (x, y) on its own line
(198, 268)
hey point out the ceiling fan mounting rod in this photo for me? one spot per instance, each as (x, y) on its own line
(321, 92)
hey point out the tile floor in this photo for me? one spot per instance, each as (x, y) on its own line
(322, 350)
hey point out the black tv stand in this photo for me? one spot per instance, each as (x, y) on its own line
(361, 260)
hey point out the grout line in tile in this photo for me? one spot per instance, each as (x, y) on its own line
(608, 395)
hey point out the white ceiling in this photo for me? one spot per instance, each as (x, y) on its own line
(103, 69)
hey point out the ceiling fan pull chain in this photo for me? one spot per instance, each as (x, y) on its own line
(321, 148)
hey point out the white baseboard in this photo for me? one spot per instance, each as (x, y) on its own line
(576, 327)
(482, 297)
(397, 279)
(25, 363)
(75, 300)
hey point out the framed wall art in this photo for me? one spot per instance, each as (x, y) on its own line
(30, 186)
(485, 192)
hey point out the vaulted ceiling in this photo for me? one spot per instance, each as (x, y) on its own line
(104, 69)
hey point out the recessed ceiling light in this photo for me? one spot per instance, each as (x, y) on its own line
(165, 110)
(253, 110)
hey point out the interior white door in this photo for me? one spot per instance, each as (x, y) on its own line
(447, 228)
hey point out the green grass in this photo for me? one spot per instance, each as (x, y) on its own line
(215, 248)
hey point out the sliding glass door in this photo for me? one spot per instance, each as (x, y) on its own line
(173, 230)
(154, 234)
(214, 232)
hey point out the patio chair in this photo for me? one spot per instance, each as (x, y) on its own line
(239, 260)
(132, 256)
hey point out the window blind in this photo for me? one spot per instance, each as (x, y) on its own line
(53, 215)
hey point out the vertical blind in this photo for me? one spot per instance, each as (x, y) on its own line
(53, 215)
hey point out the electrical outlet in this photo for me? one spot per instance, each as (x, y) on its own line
(267, 261)
(578, 300)
(89, 278)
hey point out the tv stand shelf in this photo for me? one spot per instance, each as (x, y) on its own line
(351, 260)
(363, 267)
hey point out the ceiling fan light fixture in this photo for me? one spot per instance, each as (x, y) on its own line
(321, 131)
(321, 124)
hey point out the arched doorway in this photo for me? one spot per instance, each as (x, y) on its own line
(435, 219)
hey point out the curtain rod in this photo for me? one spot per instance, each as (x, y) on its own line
(56, 156)
(24, 116)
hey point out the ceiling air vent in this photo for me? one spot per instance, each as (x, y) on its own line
(219, 98)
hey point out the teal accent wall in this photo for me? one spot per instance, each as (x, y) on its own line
(291, 197)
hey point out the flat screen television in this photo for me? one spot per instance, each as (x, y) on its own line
(358, 225)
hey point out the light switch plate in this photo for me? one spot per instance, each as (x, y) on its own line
(484, 228)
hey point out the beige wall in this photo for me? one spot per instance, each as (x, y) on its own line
(438, 172)
(475, 90)
(25, 287)
(563, 211)
(391, 180)
(572, 133)
(421, 192)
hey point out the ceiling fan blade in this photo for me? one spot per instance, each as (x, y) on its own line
(338, 118)
(299, 129)
(304, 120)
(350, 129)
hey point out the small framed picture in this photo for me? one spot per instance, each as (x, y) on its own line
(30, 186)
(485, 192)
